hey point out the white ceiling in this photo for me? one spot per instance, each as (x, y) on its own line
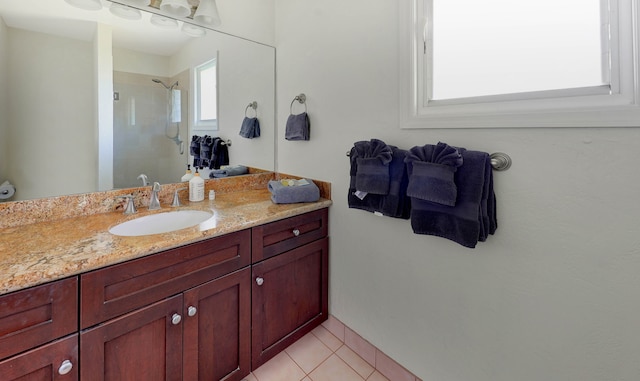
(59, 18)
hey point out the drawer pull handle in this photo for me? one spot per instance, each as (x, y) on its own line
(191, 311)
(65, 367)
(296, 232)
(259, 281)
(176, 319)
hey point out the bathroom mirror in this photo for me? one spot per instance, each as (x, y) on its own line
(63, 71)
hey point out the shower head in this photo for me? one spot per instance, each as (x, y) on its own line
(164, 84)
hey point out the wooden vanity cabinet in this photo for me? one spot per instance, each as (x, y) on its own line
(182, 314)
(211, 310)
(290, 286)
(33, 326)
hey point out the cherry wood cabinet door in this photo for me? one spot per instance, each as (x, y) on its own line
(217, 329)
(56, 361)
(289, 298)
(144, 345)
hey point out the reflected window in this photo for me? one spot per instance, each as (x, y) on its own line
(206, 96)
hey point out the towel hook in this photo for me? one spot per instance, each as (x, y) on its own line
(302, 99)
(254, 106)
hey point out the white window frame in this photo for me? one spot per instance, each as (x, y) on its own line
(198, 123)
(602, 106)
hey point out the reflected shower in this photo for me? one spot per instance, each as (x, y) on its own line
(164, 84)
(173, 113)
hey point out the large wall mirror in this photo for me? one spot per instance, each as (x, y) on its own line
(90, 100)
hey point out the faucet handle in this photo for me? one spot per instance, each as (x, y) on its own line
(156, 187)
(176, 198)
(131, 207)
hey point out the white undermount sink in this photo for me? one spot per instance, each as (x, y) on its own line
(160, 223)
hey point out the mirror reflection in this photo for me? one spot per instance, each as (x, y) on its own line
(89, 100)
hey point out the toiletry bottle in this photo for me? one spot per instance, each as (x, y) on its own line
(187, 176)
(196, 188)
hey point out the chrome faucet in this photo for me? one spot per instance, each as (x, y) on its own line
(154, 203)
(144, 178)
(131, 207)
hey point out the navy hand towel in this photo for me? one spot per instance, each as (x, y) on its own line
(194, 149)
(219, 154)
(372, 158)
(395, 203)
(464, 223)
(431, 173)
(298, 127)
(250, 128)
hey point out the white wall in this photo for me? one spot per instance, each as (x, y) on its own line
(552, 296)
(43, 142)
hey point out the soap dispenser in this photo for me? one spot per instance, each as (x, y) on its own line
(196, 188)
(188, 175)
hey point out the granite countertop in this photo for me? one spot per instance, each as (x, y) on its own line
(40, 252)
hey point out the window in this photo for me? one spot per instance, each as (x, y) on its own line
(519, 63)
(206, 96)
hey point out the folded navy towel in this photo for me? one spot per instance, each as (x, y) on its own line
(219, 154)
(395, 203)
(194, 149)
(206, 147)
(372, 159)
(285, 194)
(235, 170)
(250, 128)
(463, 223)
(431, 172)
(298, 127)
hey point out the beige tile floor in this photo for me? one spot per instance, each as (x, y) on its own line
(318, 356)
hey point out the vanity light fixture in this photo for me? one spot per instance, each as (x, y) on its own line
(90, 5)
(207, 13)
(176, 8)
(125, 12)
(193, 30)
(163, 21)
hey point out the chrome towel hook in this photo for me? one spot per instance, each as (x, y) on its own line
(302, 99)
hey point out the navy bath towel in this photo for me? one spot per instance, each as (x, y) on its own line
(473, 217)
(395, 203)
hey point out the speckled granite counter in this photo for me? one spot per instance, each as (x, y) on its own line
(40, 252)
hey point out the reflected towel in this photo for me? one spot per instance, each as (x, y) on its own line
(298, 127)
(284, 194)
(250, 128)
(194, 149)
(235, 170)
(219, 154)
(463, 223)
(395, 203)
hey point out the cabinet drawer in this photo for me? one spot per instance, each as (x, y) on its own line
(53, 361)
(118, 289)
(280, 236)
(37, 315)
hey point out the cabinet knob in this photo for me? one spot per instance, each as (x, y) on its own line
(259, 281)
(296, 232)
(176, 319)
(191, 311)
(65, 367)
